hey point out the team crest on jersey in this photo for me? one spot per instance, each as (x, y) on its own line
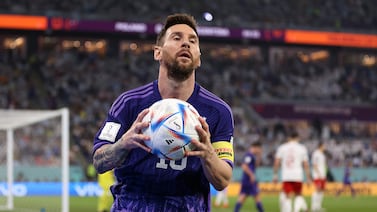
(109, 131)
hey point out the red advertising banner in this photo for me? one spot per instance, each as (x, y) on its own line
(331, 38)
(23, 22)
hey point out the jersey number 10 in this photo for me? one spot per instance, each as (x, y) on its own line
(163, 164)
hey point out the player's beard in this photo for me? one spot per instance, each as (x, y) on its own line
(179, 71)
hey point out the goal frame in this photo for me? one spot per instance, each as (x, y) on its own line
(12, 119)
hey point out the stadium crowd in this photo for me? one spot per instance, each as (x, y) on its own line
(88, 83)
(349, 14)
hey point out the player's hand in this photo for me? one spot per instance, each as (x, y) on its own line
(309, 181)
(252, 179)
(275, 178)
(203, 147)
(134, 137)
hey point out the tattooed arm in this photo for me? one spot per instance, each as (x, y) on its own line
(110, 156)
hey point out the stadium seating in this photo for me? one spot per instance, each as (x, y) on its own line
(349, 14)
(55, 78)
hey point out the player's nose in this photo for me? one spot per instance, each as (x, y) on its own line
(185, 44)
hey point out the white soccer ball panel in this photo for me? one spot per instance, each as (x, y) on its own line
(172, 127)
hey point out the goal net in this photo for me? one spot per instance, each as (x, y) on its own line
(34, 151)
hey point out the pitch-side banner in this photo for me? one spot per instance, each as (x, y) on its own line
(21, 189)
(90, 189)
(365, 188)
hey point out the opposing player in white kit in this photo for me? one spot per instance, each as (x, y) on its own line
(319, 177)
(293, 159)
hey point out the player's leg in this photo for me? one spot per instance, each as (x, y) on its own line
(105, 200)
(299, 203)
(353, 192)
(285, 197)
(241, 199)
(286, 203)
(258, 203)
(317, 195)
(321, 193)
(257, 199)
(282, 199)
(225, 199)
(314, 200)
(219, 198)
(342, 188)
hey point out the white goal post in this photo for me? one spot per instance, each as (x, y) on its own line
(11, 119)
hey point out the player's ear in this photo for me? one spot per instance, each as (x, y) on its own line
(199, 60)
(157, 52)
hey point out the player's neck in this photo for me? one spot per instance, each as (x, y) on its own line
(293, 140)
(169, 88)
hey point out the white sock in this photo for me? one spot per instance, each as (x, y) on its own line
(315, 203)
(320, 200)
(219, 198)
(281, 200)
(285, 203)
(299, 204)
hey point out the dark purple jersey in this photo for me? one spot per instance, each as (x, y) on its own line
(247, 187)
(250, 161)
(347, 175)
(144, 173)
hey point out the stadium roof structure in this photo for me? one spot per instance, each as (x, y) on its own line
(12, 119)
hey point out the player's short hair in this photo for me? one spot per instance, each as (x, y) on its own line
(291, 132)
(256, 144)
(171, 20)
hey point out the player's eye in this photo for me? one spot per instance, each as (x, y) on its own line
(193, 40)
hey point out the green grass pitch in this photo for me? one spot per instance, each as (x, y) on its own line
(88, 204)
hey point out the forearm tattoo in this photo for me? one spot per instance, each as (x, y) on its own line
(109, 157)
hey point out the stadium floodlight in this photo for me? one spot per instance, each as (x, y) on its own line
(11, 120)
(208, 16)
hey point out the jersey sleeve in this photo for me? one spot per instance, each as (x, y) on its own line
(114, 126)
(222, 136)
(111, 131)
(314, 158)
(278, 154)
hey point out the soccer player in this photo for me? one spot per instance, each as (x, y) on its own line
(222, 198)
(249, 184)
(318, 160)
(105, 200)
(144, 181)
(347, 183)
(293, 159)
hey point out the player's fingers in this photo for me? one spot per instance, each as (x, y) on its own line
(141, 137)
(204, 136)
(143, 146)
(194, 153)
(198, 145)
(140, 126)
(204, 124)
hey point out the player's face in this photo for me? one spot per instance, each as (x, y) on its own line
(180, 52)
(256, 150)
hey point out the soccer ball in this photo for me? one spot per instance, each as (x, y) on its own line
(171, 129)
